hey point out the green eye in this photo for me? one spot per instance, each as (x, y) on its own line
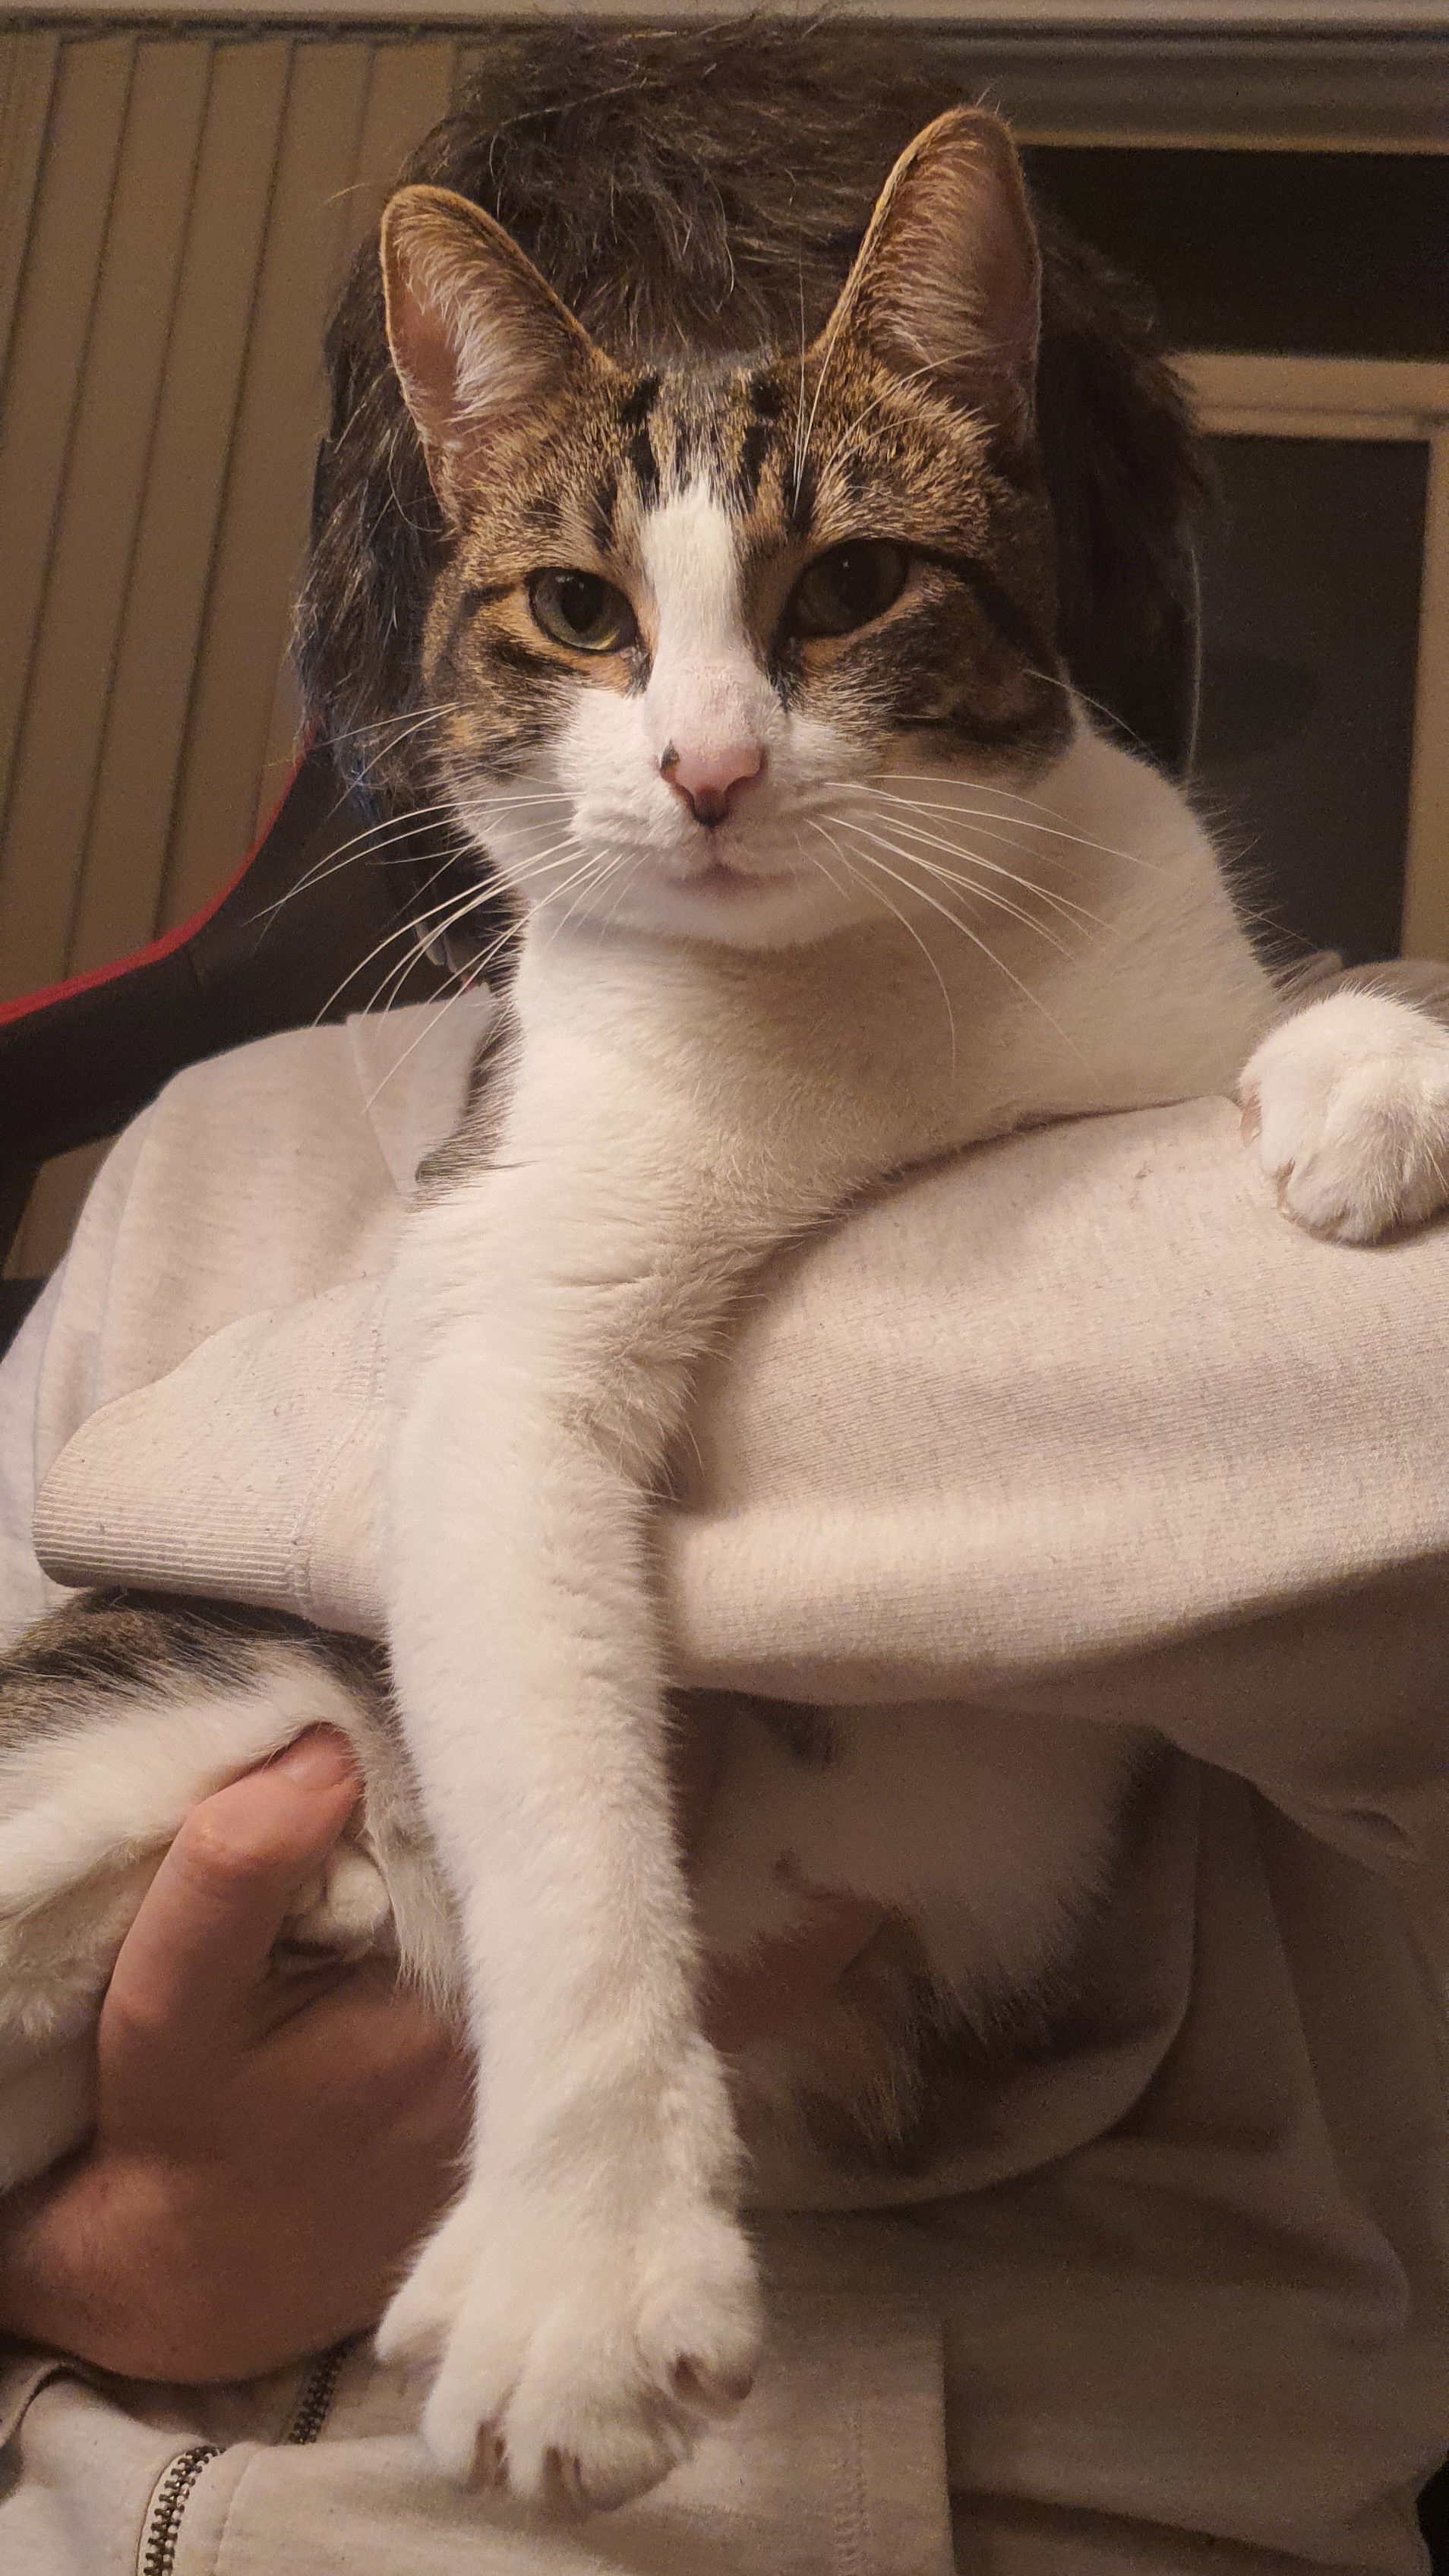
(848, 587)
(577, 609)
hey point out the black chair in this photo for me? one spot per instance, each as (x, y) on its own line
(314, 922)
(1434, 2521)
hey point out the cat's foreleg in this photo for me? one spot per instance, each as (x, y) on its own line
(1348, 1100)
(591, 2299)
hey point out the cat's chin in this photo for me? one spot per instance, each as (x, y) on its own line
(733, 908)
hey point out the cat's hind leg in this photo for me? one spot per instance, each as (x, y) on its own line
(117, 1714)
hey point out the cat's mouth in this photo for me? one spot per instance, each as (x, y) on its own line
(719, 881)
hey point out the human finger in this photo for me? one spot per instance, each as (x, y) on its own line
(201, 1940)
(370, 2050)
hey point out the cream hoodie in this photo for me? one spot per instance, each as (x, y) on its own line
(1075, 1424)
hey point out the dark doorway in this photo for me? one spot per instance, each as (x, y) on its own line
(1311, 620)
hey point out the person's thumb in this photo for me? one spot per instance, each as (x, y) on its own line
(201, 1940)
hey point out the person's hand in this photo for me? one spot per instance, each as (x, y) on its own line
(269, 2149)
(266, 2146)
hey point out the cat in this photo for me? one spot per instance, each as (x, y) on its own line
(738, 665)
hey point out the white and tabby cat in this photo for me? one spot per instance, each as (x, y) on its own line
(750, 689)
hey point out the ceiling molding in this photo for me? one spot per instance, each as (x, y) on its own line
(1032, 22)
(1329, 75)
(1303, 91)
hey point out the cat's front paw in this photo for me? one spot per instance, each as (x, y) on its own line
(1349, 1103)
(591, 2303)
(581, 2344)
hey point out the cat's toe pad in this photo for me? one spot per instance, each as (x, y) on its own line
(1349, 1106)
(584, 2353)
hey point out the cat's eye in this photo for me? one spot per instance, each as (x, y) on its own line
(580, 610)
(847, 588)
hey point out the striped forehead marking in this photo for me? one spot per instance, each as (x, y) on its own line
(635, 413)
(676, 430)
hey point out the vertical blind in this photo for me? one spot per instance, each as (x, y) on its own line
(175, 215)
(176, 211)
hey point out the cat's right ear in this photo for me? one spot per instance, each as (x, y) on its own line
(477, 337)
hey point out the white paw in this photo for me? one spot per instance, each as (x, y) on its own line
(585, 2326)
(344, 1908)
(1349, 1102)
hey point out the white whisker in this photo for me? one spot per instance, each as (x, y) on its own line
(895, 384)
(592, 877)
(1070, 689)
(978, 787)
(431, 715)
(395, 827)
(631, 871)
(1067, 905)
(950, 876)
(1072, 917)
(318, 877)
(907, 926)
(409, 930)
(968, 933)
(384, 724)
(416, 923)
(390, 829)
(473, 970)
(440, 1013)
(838, 320)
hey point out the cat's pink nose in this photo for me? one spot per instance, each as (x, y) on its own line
(712, 782)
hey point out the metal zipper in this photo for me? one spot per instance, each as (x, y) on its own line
(317, 2392)
(163, 2523)
(162, 2535)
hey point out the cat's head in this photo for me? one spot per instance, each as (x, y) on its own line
(700, 628)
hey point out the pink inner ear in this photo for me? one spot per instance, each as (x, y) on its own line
(988, 294)
(475, 332)
(425, 356)
(948, 278)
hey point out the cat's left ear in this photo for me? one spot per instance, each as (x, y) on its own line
(478, 338)
(946, 285)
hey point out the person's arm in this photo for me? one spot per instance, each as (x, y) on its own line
(268, 2151)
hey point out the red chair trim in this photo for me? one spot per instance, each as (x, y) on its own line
(165, 946)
